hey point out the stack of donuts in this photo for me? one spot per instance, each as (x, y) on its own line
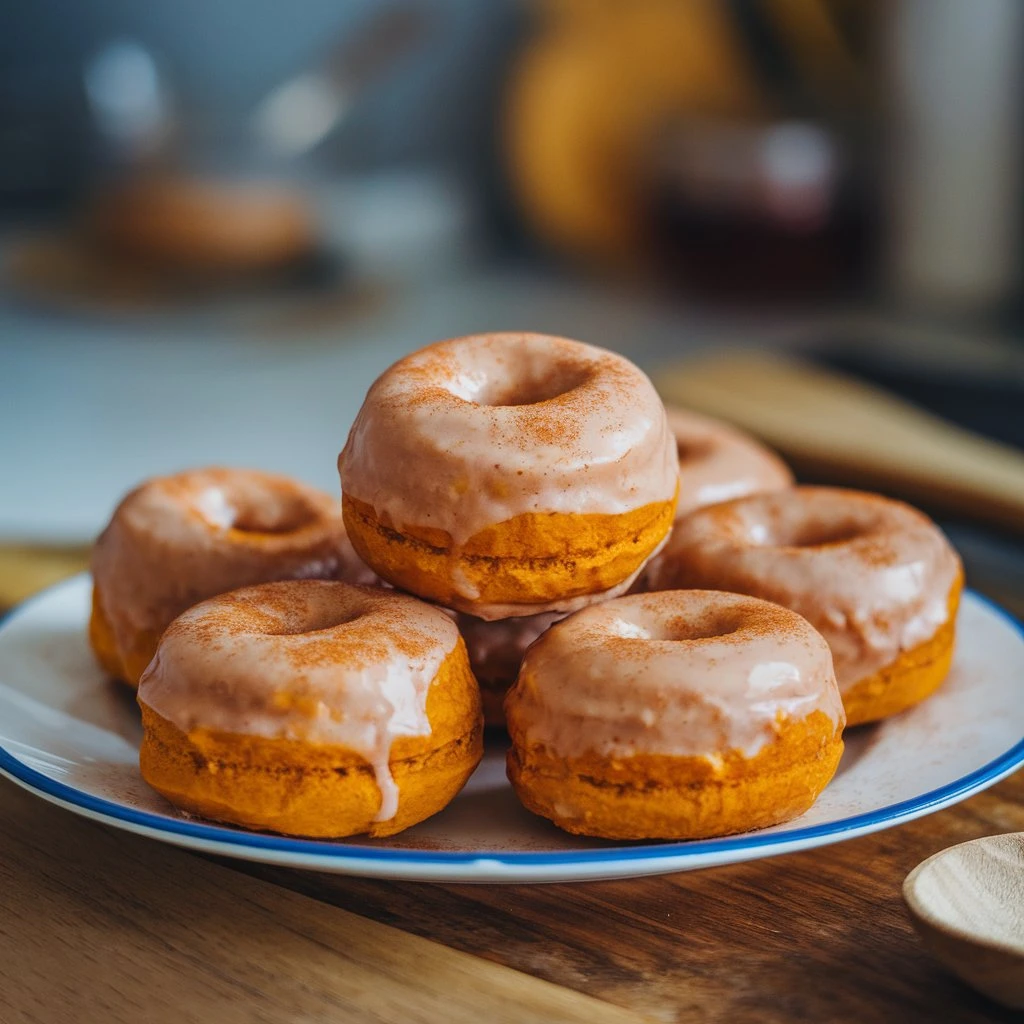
(674, 635)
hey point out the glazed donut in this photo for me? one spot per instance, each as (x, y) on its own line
(677, 715)
(203, 225)
(311, 708)
(875, 576)
(510, 474)
(496, 651)
(177, 540)
(717, 462)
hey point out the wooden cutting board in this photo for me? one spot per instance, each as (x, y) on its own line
(99, 927)
(840, 429)
(104, 928)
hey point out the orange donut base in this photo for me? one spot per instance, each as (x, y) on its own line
(531, 559)
(656, 796)
(313, 790)
(913, 676)
(126, 666)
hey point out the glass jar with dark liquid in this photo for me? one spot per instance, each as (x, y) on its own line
(759, 211)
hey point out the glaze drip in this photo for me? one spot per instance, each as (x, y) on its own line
(324, 663)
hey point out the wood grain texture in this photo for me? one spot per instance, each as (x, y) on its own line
(94, 923)
(816, 936)
(833, 426)
(99, 927)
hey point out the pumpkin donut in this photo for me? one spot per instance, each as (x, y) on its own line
(510, 474)
(496, 651)
(176, 540)
(311, 708)
(717, 462)
(677, 715)
(875, 576)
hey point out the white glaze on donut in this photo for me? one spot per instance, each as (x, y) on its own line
(717, 462)
(472, 432)
(178, 539)
(681, 673)
(873, 575)
(319, 662)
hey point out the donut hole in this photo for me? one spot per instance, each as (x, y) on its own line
(271, 513)
(821, 534)
(678, 628)
(277, 518)
(532, 383)
(686, 629)
(318, 620)
(810, 533)
(692, 449)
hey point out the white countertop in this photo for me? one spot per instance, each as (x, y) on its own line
(90, 407)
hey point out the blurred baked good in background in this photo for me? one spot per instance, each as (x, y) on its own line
(202, 226)
(721, 144)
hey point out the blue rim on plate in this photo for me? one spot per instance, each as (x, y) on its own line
(253, 842)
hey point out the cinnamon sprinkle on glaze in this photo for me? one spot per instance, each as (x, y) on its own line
(684, 673)
(472, 432)
(176, 540)
(323, 662)
(873, 575)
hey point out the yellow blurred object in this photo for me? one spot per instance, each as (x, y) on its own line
(25, 569)
(589, 94)
(840, 429)
(603, 80)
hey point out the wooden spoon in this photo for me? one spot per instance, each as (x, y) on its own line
(832, 426)
(967, 904)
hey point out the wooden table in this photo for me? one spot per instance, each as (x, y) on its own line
(99, 927)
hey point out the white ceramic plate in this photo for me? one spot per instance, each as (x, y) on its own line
(71, 736)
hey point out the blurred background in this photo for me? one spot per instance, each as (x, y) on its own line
(220, 220)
